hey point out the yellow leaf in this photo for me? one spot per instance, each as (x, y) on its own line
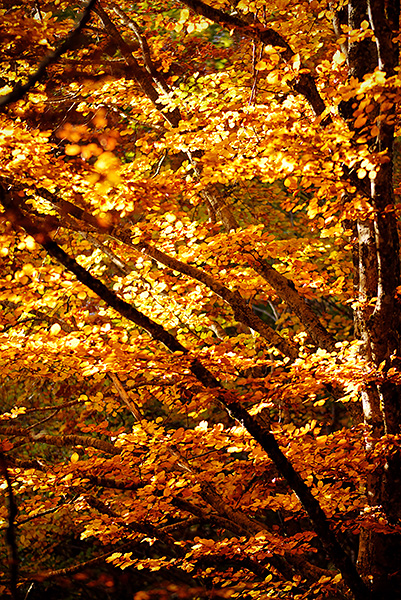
(72, 149)
(74, 457)
(106, 162)
(184, 15)
(296, 62)
(30, 243)
(74, 343)
(55, 329)
(361, 120)
(113, 556)
(338, 58)
(28, 269)
(261, 65)
(291, 182)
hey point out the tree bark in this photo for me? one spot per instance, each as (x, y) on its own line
(377, 316)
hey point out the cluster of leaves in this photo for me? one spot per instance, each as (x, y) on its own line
(176, 163)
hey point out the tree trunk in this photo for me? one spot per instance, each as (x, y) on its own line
(377, 320)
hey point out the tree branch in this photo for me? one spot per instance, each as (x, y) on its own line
(147, 59)
(109, 482)
(144, 527)
(242, 311)
(173, 117)
(43, 575)
(269, 37)
(228, 400)
(20, 90)
(131, 405)
(383, 31)
(304, 84)
(143, 78)
(287, 292)
(62, 440)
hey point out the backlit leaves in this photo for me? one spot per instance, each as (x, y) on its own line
(110, 438)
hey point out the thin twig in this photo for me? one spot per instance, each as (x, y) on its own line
(45, 408)
(37, 515)
(42, 421)
(133, 407)
(121, 266)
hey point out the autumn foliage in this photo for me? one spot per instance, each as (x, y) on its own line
(199, 288)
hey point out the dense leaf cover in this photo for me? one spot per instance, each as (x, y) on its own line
(199, 284)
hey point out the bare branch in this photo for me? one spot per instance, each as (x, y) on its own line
(58, 407)
(143, 78)
(287, 292)
(242, 311)
(109, 482)
(62, 440)
(132, 406)
(122, 267)
(43, 575)
(43, 513)
(265, 35)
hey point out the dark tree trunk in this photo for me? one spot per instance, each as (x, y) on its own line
(377, 317)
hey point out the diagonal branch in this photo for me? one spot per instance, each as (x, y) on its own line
(228, 400)
(144, 527)
(173, 117)
(20, 90)
(242, 311)
(143, 78)
(50, 574)
(287, 292)
(62, 440)
(144, 46)
(164, 535)
(131, 404)
(267, 36)
(304, 84)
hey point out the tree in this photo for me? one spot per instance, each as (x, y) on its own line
(200, 285)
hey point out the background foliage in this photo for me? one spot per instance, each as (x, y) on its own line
(182, 190)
